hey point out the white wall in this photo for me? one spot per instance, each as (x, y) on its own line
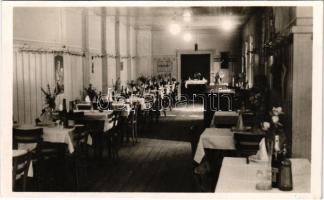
(43, 30)
(144, 52)
(110, 44)
(165, 44)
(66, 29)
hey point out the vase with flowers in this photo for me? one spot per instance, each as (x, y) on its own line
(276, 142)
(47, 112)
(274, 127)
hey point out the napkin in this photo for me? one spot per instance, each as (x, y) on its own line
(262, 153)
(239, 124)
(87, 99)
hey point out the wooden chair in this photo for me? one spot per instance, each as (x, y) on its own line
(201, 172)
(20, 169)
(78, 117)
(113, 135)
(194, 138)
(247, 143)
(80, 156)
(83, 106)
(96, 128)
(28, 136)
(132, 123)
(248, 119)
(43, 155)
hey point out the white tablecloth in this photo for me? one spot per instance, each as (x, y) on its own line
(19, 152)
(214, 138)
(52, 134)
(96, 115)
(195, 82)
(59, 135)
(224, 117)
(141, 101)
(123, 107)
(237, 176)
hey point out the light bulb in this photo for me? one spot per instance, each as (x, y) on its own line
(228, 24)
(174, 29)
(187, 16)
(187, 37)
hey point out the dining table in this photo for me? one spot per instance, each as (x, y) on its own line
(53, 134)
(98, 115)
(221, 139)
(122, 107)
(238, 176)
(139, 100)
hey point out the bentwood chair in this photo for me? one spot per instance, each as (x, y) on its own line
(20, 169)
(80, 156)
(201, 172)
(112, 136)
(132, 123)
(43, 155)
(247, 144)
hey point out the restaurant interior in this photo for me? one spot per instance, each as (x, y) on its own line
(162, 99)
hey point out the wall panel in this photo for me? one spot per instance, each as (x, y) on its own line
(35, 70)
(15, 88)
(20, 88)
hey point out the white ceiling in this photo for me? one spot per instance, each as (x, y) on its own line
(158, 18)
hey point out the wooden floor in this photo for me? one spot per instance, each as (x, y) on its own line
(149, 166)
(160, 162)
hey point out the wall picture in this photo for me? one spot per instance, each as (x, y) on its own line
(59, 73)
(164, 64)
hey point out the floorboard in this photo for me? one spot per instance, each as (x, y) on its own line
(160, 162)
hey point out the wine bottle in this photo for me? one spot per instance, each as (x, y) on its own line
(64, 114)
(275, 162)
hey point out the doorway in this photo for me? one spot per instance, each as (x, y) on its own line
(191, 63)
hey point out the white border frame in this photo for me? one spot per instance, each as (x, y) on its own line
(6, 100)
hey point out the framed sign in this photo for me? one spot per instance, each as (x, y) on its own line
(59, 73)
(164, 63)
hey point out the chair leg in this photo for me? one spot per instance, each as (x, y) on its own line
(24, 183)
(133, 133)
(136, 132)
(109, 147)
(115, 148)
(76, 171)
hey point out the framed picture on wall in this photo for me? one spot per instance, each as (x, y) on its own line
(164, 64)
(59, 73)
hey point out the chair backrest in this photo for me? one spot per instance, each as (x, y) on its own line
(95, 126)
(248, 119)
(78, 117)
(113, 118)
(81, 134)
(83, 107)
(194, 138)
(27, 136)
(20, 169)
(247, 143)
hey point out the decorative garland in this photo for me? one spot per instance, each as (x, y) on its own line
(69, 52)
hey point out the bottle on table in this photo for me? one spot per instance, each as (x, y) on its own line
(275, 162)
(64, 114)
(285, 179)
